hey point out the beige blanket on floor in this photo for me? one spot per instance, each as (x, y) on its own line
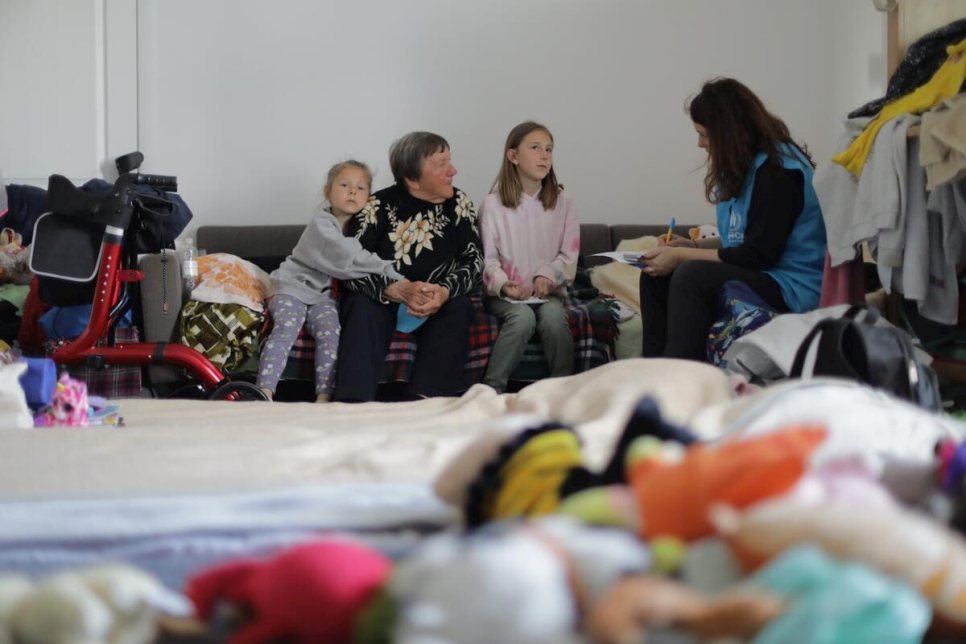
(177, 446)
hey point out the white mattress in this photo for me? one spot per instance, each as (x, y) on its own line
(185, 484)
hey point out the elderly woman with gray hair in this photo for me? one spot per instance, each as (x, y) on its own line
(429, 230)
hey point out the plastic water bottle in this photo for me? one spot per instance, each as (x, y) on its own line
(189, 266)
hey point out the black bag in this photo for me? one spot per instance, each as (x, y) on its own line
(160, 217)
(853, 347)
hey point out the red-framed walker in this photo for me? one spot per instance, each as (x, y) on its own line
(118, 212)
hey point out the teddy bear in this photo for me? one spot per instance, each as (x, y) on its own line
(111, 603)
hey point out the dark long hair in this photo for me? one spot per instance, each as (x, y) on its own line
(739, 128)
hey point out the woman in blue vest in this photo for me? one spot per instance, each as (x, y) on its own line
(772, 233)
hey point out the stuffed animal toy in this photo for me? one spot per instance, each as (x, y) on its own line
(521, 582)
(108, 603)
(672, 480)
(671, 489)
(313, 592)
(704, 231)
(525, 465)
(545, 581)
(548, 580)
(68, 407)
(905, 544)
(803, 596)
(556, 580)
(674, 489)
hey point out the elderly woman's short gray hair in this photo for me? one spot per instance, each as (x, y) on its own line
(406, 155)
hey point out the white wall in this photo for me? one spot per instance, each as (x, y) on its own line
(249, 102)
(57, 60)
(857, 44)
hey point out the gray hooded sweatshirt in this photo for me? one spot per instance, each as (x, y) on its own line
(322, 254)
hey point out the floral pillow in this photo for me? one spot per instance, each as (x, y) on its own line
(227, 279)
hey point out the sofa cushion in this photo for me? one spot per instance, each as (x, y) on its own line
(265, 246)
(620, 232)
(594, 238)
(268, 245)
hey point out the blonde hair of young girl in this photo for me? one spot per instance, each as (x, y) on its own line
(334, 172)
(508, 180)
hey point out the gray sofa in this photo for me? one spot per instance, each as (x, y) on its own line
(268, 245)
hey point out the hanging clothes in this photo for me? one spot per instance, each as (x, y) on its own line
(946, 82)
(920, 62)
(942, 149)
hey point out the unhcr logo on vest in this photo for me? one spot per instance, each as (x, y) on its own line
(736, 231)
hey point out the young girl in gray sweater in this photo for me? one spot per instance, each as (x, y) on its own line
(301, 290)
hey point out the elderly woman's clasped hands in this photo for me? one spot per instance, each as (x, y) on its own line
(421, 299)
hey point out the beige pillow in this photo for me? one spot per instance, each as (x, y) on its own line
(621, 280)
(227, 279)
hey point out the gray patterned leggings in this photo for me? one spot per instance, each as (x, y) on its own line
(289, 314)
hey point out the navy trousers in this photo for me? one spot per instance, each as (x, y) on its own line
(442, 344)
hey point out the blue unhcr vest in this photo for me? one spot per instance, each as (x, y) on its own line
(799, 269)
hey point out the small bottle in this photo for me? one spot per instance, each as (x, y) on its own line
(189, 266)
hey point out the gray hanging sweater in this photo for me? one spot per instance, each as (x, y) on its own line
(322, 254)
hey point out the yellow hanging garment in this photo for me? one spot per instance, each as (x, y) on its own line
(946, 82)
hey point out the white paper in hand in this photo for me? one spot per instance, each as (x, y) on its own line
(623, 257)
(529, 300)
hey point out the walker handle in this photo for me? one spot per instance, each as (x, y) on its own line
(160, 181)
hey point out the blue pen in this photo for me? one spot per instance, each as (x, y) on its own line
(670, 230)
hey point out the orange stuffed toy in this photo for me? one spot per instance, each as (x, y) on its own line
(673, 499)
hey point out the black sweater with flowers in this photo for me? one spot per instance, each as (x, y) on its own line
(436, 243)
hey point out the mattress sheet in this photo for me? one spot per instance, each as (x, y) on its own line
(185, 484)
(198, 447)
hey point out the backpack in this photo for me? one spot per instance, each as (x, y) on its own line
(881, 356)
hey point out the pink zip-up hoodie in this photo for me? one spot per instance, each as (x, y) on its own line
(524, 242)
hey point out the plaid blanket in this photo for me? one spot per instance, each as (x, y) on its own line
(116, 380)
(591, 324)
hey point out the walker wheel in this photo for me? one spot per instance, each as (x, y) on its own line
(238, 390)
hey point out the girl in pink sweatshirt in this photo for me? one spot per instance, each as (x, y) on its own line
(531, 239)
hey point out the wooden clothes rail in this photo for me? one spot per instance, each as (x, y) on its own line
(911, 20)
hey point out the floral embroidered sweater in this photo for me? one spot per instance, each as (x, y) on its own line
(523, 242)
(436, 243)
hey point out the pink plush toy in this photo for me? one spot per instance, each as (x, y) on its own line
(68, 407)
(310, 593)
